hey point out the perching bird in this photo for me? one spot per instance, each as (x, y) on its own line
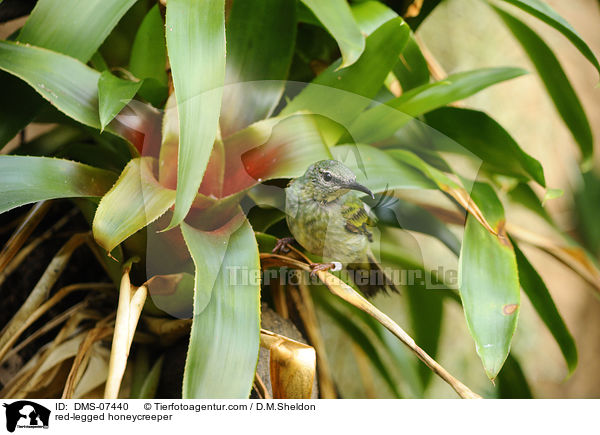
(327, 217)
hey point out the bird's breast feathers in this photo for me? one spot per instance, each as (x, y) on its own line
(335, 231)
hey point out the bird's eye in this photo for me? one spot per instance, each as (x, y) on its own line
(327, 176)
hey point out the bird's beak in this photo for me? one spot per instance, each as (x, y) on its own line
(360, 188)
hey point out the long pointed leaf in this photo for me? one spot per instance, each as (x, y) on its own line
(224, 342)
(556, 82)
(27, 179)
(545, 13)
(489, 283)
(196, 45)
(540, 298)
(384, 120)
(484, 137)
(65, 82)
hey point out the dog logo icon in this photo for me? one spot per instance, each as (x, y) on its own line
(26, 414)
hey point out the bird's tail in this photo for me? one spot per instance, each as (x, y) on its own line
(371, 279)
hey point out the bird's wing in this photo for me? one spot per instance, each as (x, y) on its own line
(356, 217)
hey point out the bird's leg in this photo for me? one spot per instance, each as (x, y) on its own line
(334, 266)
(283, 245)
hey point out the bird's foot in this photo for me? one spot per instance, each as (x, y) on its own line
(334, 266)
(283, 245)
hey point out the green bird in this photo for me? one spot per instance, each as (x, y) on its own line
(326, 216)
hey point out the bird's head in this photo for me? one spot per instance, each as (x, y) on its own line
(327, 180)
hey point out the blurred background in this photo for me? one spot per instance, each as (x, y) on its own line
(463, 35)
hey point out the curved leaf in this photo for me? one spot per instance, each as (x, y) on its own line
(412, 70)
(384, 120)
(135, 200)
(68, 84)
(196, 45)
(27, 179)
(70, 27)
(225, 336)
(556, 82)
(489, 283)
(545, 13)
(260, 43)
(369, 15)
(113, 94)
(342, 95)
(336, 17)
(484, 137)
(540, 298)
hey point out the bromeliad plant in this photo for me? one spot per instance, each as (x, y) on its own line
(186, 129)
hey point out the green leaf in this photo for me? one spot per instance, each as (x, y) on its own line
(378, 170)
(149, 384)
(27, 179)
(412, 70)
(524, 195)
(355, 332)
(342, 95)
(196, 45)
(148, 58)
(336, 17)
(207, 266)
(70, 27)
(260, 42)
(113, 94)
(384, 120)
(65, 82)
(484, 137)
(224, 341)
(545, 13)
(369, 15)
(540, 298)
(149, 52)
(489, 283)
(587, 205)
(556, 82)
(135, 200)
(402, 214)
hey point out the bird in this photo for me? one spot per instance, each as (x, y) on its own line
(326, 216)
